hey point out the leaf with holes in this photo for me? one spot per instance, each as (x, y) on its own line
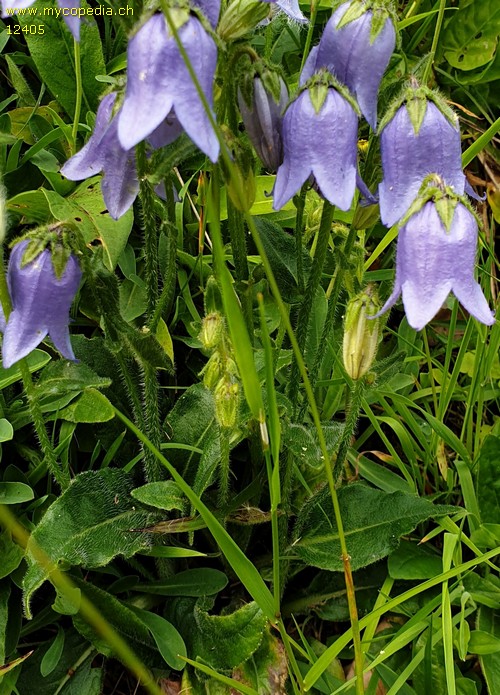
(471, 37)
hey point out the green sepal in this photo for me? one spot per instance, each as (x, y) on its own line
(379, 18)
(417, 108)
(60, 257)
(356, 10)
(445, 208)
(34, 248)
(318, 93)
(413, 90)
(213, 297)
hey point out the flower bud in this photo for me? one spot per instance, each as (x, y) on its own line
(262, 116)
(226, 402)
(240, 17)
(213, 370)
(212, 329)
(361, 334)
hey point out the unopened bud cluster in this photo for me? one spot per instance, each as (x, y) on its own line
(361, 333)
(220, 374)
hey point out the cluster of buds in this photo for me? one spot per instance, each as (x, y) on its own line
(220, 374)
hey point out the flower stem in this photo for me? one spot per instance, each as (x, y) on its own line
(313, 284)
(435, 40)
(79, 94)
(169, 227)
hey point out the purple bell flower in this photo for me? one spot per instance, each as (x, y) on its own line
(72, 20)
(263, 122)
(159, 81)
(210, 8)
(431, 262)
(103, 152)
(409, 157)
(354, 57)
(40, 304)
(323, 144)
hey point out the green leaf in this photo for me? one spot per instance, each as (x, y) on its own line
(483, 590)
(470, 38)
(267, 670)
(53, 654)
(11, 554)
(488, 484)
(53, 55)
(124, 620)
(36, 360)
(19, 84)
(164, 494)
(373, 523)
(195, 582)
(15, 493)
(94, 520)
(91, 406)
(170, 644)
(63, 376)
(6, 430)
(489, 621)
(414, 562)
(281, 252)
(482, 642)
(222, 641)
(86, 209)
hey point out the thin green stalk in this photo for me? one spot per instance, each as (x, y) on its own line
(150, 230)
(300, 202)
(435, 40)
(313, 284)
(79, 94)
(480, 143)
(165, 301)
(312, 22)
(332, 309)
(353, 408)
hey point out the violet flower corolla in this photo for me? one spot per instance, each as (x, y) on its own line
(103, 152)
(40, 304)
(68, 9)
(158, 82)
(421, 138)
(356, 46)
(320, 130)
(263, 119)
(436, 254)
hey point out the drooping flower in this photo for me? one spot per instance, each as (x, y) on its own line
(103, 152)
(420, 139)
(40, 304)
(432, 261)
(158, 81)
(66, 7)
(356, 45)
(263, 120)
(321, 143)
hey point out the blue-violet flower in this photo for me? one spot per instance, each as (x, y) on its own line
(410, 154)
(431, 262)
(158, 81)
(356, 53)
(40, 304)
(322, 143)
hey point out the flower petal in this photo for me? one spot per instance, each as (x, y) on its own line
(210, 8)
(72, 21)
(89, 160)
(152, 61)
(120, 184)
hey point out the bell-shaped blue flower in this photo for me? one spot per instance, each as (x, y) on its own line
(356, 51)
(40, 304)
(414, 147)
(158, 81)
(291, 9)
(321, 143)
(103, 152)
(263, 120)
(432, 261)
